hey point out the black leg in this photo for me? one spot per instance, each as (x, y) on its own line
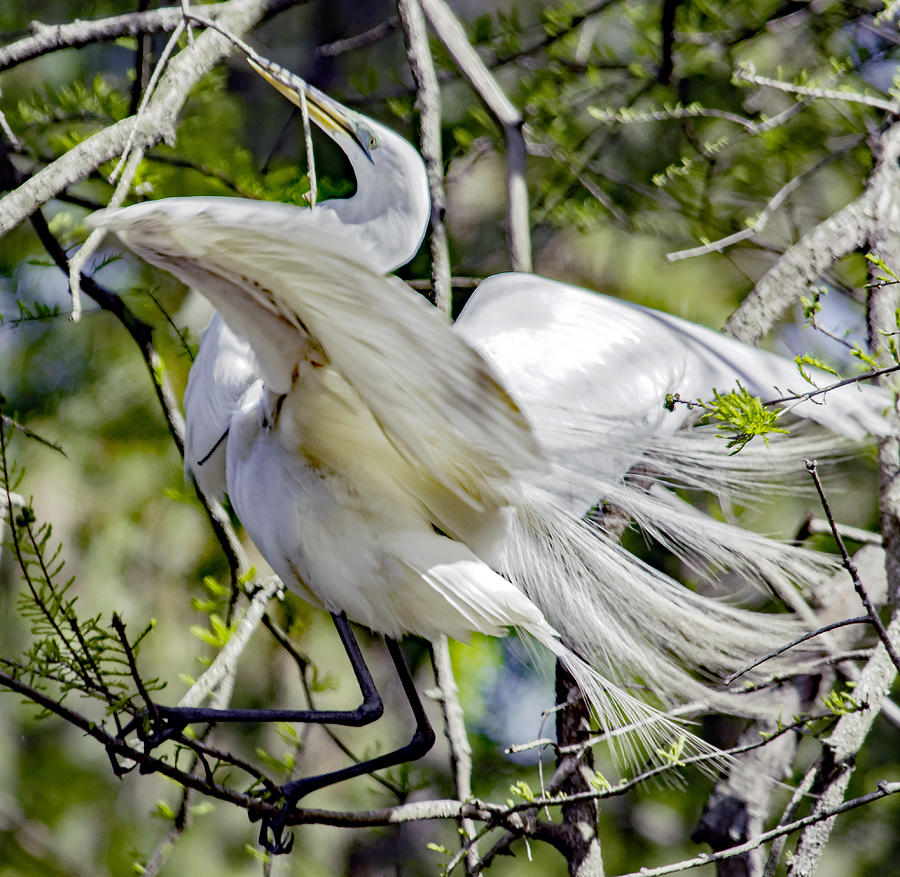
(291, 793)
(161, 723)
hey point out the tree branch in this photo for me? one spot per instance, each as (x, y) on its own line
(844, 232)
(450, 32)
(156, 123)
(884, 789)
(748, 75)
(876, 678)
(428, 104)
(48, 38)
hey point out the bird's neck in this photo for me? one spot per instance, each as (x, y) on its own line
(392, 236)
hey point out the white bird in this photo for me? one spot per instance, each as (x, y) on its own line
(391, 194)
(590, 372)
(381, 466)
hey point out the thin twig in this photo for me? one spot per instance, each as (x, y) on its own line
(872, 612)
(310, 154)
(119, 628)
(788, 815)
(6, 421)
(166, 53)
(762, 219)
(884, 789)
(8, 132)
(748, 75)
(185, 12)
(856, 379)
(359, 41)
(150, 764)
(95, 238)
(862, 619)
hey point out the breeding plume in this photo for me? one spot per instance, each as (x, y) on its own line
(428, 479)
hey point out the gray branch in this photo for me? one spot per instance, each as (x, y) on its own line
(157, 121)
(428, 104)
(836, 766)
(450, 32)
(460, 751)
(46, 38)
(884, 789)
(882, 211)
(843, 233)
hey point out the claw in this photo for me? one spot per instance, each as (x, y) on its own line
(119, 769)
(275, 845)
(272, 829)
(153, 728)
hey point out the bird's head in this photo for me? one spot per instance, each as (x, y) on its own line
(391, 179)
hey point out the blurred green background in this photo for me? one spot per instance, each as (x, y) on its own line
(611, 194)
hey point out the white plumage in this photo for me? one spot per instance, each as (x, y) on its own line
(380, 464)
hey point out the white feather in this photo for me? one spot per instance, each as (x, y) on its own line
(559, 346)
(223, 370)
(392, 427)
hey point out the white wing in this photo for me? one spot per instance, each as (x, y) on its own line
(223, 371)
(561, 348)
(432, 393)
(388, 398)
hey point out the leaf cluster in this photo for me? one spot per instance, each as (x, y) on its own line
(68, 652)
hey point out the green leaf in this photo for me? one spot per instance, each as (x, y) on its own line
(806, 359)
(522, 790)
(438, 848)
(742, 416)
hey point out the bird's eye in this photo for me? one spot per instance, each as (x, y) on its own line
(373, 141)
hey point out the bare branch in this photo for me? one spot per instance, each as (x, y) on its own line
(845, 622)
(837, 764)
(360, 41)
(428, 103)
(450, 32)
(821, 391)
(47, 38)
(884, 789)
(858, 586)
(455, 729)
(844, 232)
(225, 663)
(747, 75)
(762, 219)
(155, 124)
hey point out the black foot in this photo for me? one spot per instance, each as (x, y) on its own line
(155, 726)
(152, 727)
(274, 824)
(271, 832)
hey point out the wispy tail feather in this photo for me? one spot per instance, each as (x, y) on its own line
(711, 547)
(623, 622)
(635, 731)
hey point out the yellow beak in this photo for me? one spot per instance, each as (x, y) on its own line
(328, 114)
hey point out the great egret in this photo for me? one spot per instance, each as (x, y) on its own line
(590, 372)
(389, 217)
(384, 471)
